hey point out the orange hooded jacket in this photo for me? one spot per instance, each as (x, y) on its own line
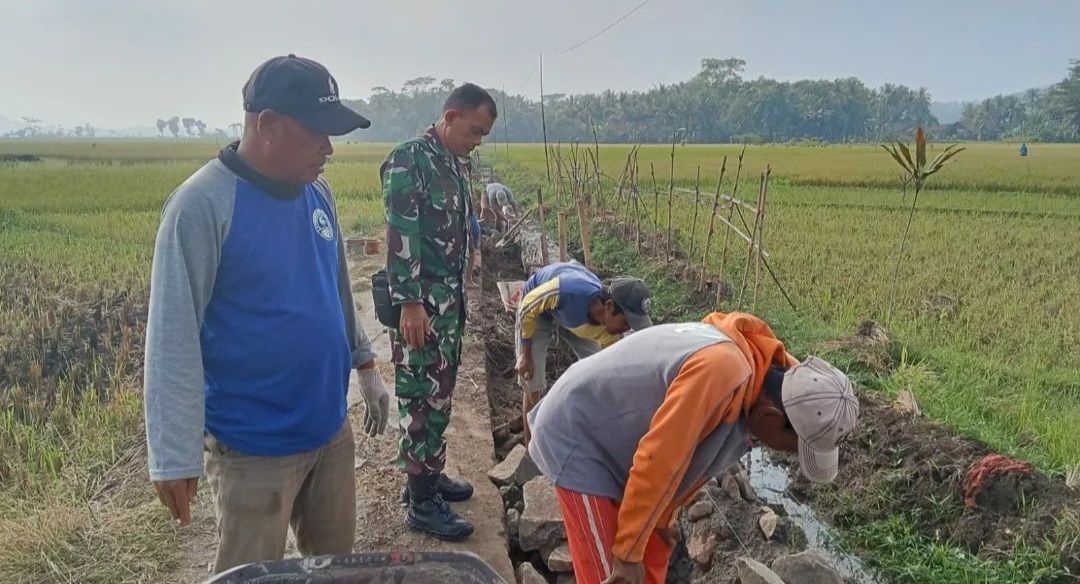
(725, 373)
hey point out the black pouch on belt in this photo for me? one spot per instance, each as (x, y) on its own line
(388, 314)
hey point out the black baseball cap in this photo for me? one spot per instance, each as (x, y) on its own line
(304, 90)
(632, 297)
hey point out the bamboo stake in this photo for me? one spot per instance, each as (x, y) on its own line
(562, 236)
(572, 167)
(731, 211)
(697, 201)
(543, 226)
(631, 166)
(656, 205)
(760, 238)
(639, 208)
(583, 223)
(712, 224)
(543, 121)
(656, 197)
(753, 242)
(587, 182)
(619, 195)
(573, 179)
(599, 183)
(580, 199)
(596, 166)
(724, 198)
(506, 123)
(667, 251)
(627, 217)
(631, 195)
(670, 194)
(557, 155)
(768, 268)
(732, 227)
(637, 219)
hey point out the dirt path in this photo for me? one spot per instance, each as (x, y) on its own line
(380, 524)
(470, 456)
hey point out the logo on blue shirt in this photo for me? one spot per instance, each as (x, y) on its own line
(322, 224)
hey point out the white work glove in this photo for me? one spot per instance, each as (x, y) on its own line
(376, 401)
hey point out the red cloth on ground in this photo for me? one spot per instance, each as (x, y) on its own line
(988, 466)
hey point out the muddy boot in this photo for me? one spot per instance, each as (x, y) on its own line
(429, 513)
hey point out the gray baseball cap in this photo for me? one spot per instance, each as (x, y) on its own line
(632, 297)
(820, 403)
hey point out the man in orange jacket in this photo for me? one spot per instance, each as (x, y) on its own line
(629, 435)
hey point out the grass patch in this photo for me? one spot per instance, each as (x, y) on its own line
(895, 547)
(890, 535)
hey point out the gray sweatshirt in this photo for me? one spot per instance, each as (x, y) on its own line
(252, 330)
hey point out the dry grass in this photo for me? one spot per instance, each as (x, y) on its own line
(93, 517)
(119, 539)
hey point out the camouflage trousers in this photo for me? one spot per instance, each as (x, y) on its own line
(424, 395)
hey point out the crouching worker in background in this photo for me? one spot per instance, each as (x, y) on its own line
(568, 298)
(629, 435)
(497, 202)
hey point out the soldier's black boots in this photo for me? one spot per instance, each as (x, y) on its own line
(428, 512)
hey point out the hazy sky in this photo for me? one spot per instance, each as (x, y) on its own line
(123, 62)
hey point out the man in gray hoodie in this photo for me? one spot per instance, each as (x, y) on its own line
(252, 331)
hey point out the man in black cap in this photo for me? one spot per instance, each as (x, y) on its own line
(252, 331)
(588, 314)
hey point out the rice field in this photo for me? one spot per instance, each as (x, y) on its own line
(994, 234)
(988, 304)
(989, 288)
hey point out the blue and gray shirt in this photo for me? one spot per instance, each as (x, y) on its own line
(252, 329)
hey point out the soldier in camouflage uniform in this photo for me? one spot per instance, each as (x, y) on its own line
(425, 187)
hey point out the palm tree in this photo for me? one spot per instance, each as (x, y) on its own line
(1067, 94)
(174, 126)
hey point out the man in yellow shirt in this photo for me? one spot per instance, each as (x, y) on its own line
(589, 315)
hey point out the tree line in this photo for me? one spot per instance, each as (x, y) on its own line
(192, 127)
(718, 105)
(195, 128)
(35, 129)
(1049, 115)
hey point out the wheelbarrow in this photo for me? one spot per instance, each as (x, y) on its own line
(366, 568)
